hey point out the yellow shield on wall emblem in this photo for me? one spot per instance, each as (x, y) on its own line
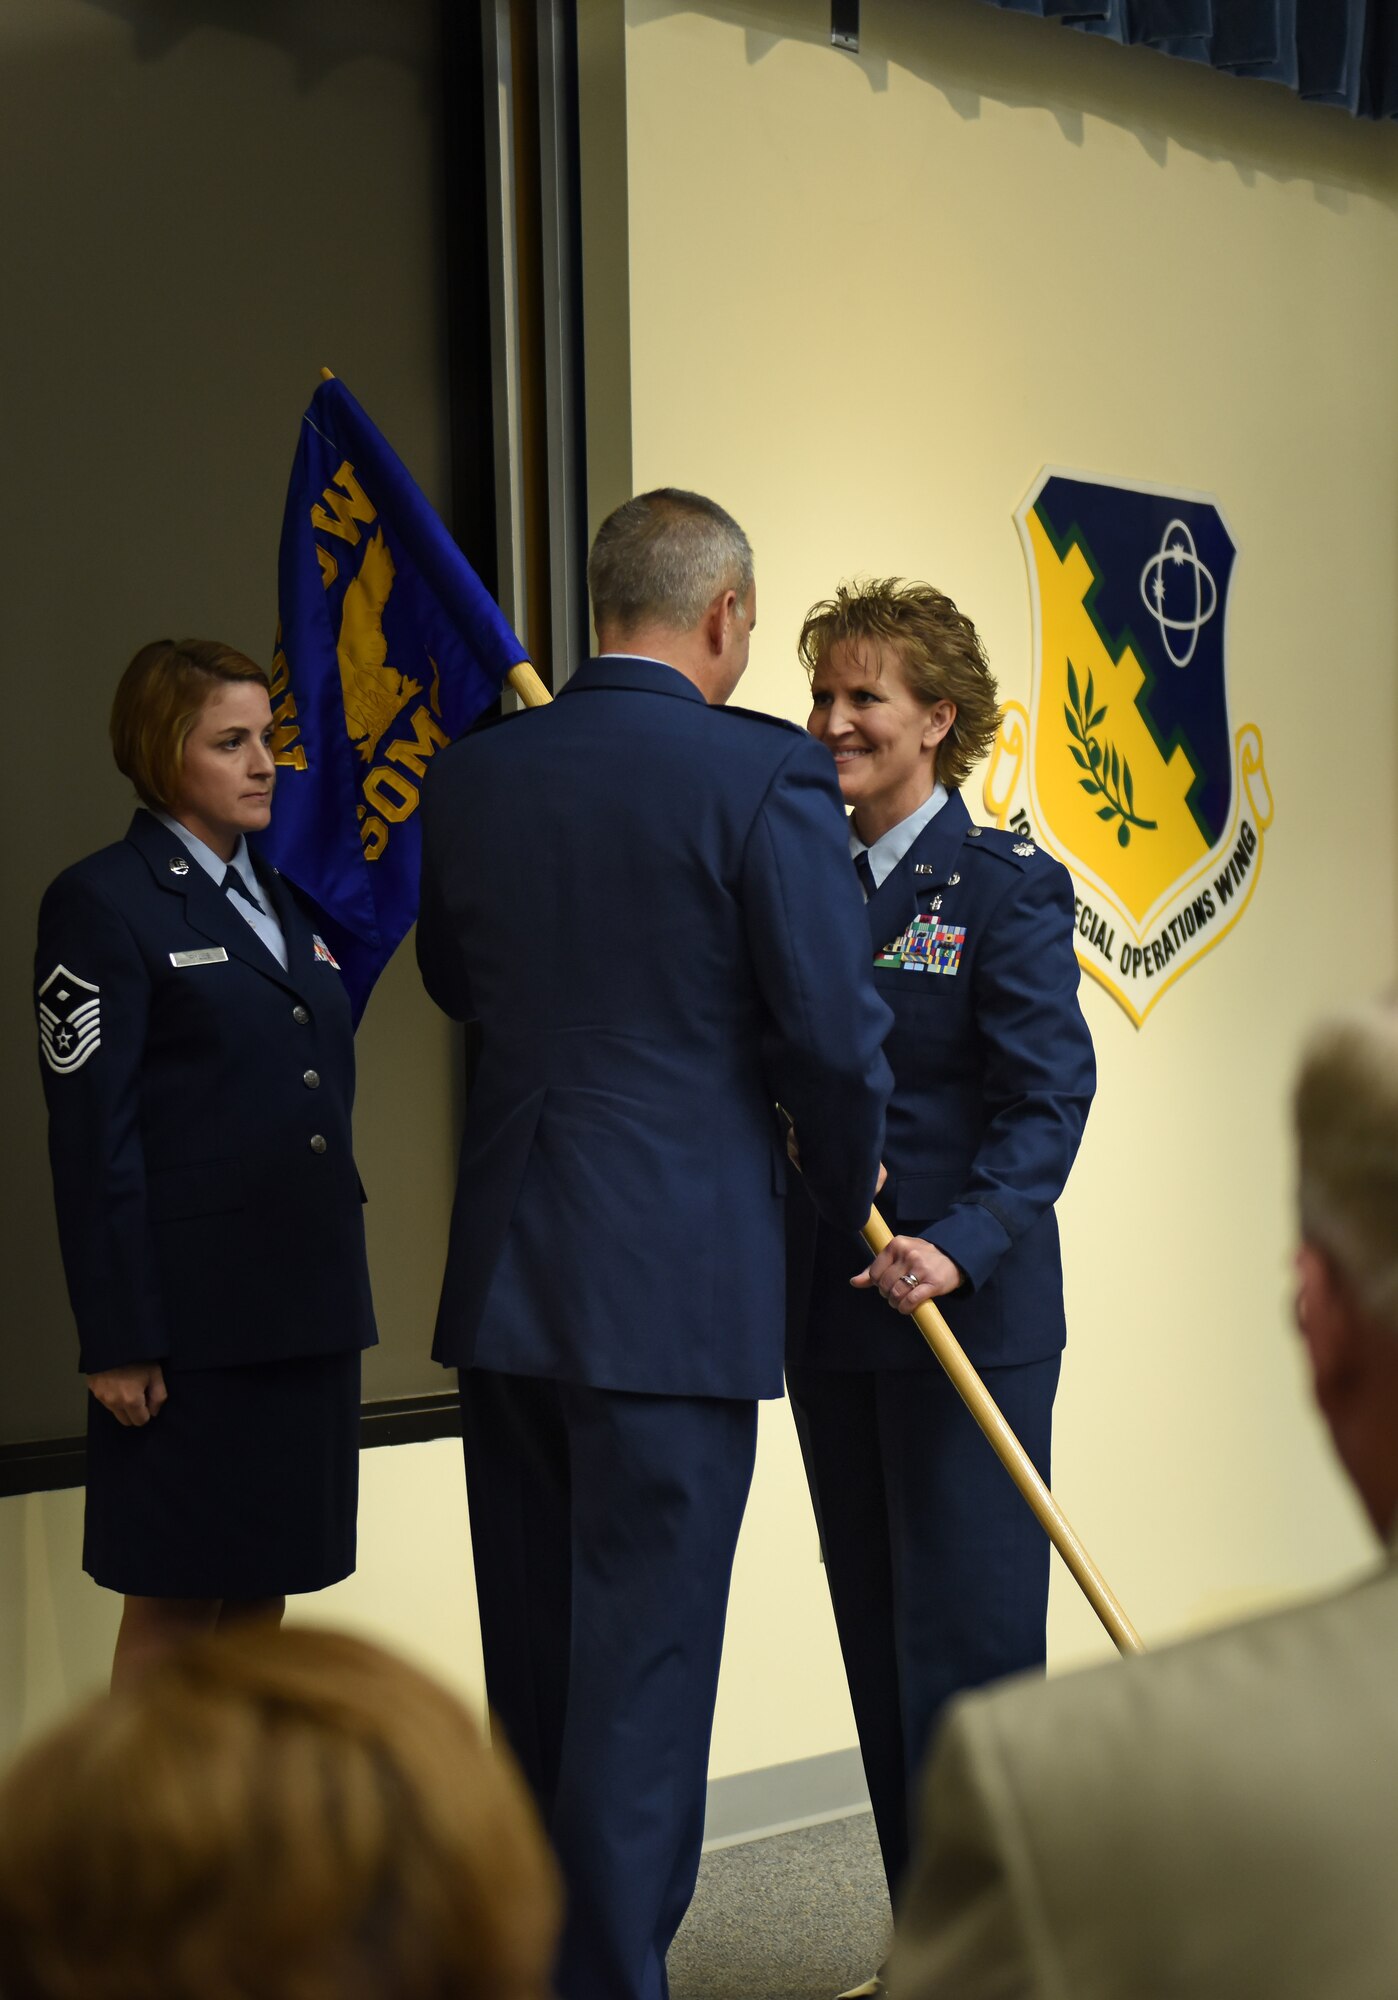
(1125, 764)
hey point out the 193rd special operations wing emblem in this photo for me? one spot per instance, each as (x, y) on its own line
(1125, 765)
(70, 1025)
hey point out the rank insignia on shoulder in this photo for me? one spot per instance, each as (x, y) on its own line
(70, 1022)
(323, 950)
(1025, 848)
(925, 946)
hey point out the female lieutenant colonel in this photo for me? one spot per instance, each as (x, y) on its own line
(937, 1569)
(198, 1061)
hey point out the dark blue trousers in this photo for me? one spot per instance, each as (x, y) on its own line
(938, 1571)
(603, 1526)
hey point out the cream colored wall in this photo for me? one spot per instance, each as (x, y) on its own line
(869, 299)
(412, 1589)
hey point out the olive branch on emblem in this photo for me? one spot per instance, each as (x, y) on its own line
(1108, 774)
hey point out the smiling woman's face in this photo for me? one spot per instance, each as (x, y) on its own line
(882, 737)
(225, 787)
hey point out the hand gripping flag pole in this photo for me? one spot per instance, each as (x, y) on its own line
(1015, 1459)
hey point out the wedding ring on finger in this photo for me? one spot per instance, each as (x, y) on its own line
(911, 1280)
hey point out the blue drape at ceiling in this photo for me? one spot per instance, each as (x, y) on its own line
(1341, 52)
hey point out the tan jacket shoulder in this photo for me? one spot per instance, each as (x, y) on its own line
(1218, 1820)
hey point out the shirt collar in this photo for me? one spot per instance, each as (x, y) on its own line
(213, 866)
(888, 850)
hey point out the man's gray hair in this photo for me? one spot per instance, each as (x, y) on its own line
(662, 559)
(1347, 1143)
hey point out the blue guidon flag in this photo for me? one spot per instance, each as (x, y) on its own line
(388, 647)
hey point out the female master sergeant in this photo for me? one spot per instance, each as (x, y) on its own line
(198, 1061)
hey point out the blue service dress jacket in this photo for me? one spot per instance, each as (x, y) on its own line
(972, 941)
(209, 1209)
(646, 995)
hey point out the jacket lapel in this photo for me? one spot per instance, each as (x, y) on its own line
(206, 909)
(296, 928)
(923, 870)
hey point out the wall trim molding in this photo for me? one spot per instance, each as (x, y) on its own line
(47, 1465)
(44, 1465)
(410, 1419)
(779, 1798)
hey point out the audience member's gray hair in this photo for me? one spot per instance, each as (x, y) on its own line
(1347, 1143)
(662, 559)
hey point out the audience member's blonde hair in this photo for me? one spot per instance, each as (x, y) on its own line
(273, 1815)
(1347, 1150)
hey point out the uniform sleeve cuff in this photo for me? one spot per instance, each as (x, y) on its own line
(974, 1240)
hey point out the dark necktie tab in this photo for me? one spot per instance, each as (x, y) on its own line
(234, 881)
(865, 873)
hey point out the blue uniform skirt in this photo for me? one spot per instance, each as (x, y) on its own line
(245, 1485)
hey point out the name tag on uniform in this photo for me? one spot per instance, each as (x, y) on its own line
(213, 955)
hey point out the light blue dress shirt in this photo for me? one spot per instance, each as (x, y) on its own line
(263, 921)
(888, 850)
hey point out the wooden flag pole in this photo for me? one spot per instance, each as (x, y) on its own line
(1012, 1455)
(528, 686)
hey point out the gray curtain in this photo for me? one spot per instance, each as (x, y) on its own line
(1342, 52)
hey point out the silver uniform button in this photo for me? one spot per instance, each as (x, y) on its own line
(311, 1079)
(317, 1143)
(300, 1015)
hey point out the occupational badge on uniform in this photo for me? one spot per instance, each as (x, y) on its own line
(323, 950)
(70, 1026)
(1126, 765)
(925, 946)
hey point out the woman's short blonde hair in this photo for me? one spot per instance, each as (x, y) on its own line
(940, 650)
(290, 1815)
(157, 703)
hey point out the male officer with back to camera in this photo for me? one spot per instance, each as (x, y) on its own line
(645, 901)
